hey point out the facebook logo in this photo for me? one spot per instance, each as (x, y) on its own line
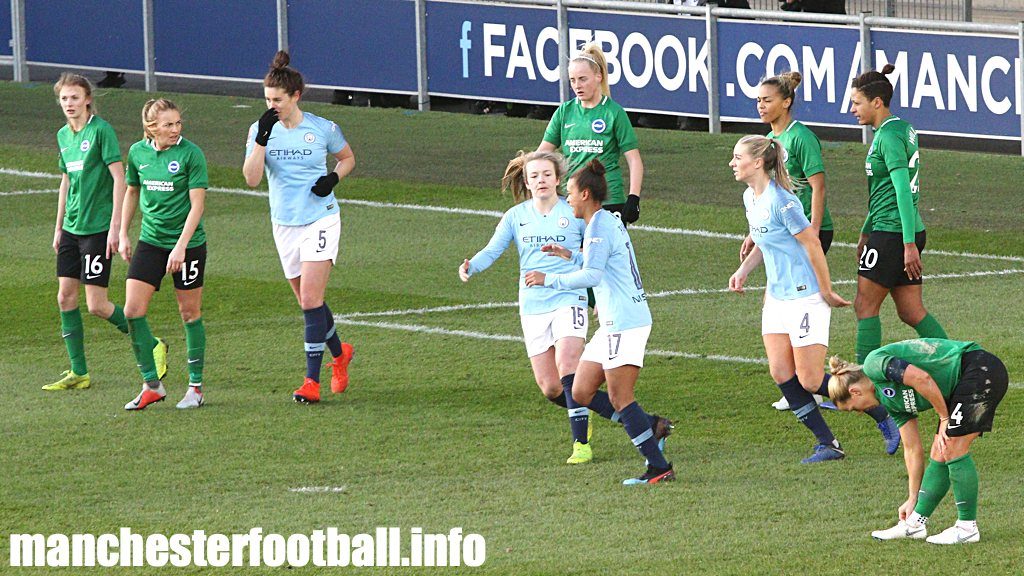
(465, 44)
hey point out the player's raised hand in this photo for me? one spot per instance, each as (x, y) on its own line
(265, 126)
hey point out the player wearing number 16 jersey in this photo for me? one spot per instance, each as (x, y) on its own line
(893, 235)
(167, 179)
(963, 384)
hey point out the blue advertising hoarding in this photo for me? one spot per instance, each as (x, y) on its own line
(5, 29)
(109, 38)
(363, 44)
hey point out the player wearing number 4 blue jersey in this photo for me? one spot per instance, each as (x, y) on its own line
(292, 146)
(799, 296)
(616, 351)
(554, 321)
(167, 179)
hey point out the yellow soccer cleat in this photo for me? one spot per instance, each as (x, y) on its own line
(69, 381)
(581, 453)
(160, 358)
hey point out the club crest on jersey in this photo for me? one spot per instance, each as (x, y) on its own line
(563, 222)
(173, 167)
(309, 137)
(85, 146)
(889, 392)
(598, 126)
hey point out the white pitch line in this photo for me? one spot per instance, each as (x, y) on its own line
(498, 214)
(421, 311)
(27, 192)
(317, 489)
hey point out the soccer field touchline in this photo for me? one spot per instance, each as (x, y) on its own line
(497, 214)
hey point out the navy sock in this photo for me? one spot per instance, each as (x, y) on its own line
(331, 336)
(638, 426)
(878, 413)
(823, 389)
(806, 410)
(315, 332)
(602, 405)
(559, 401)
(579, 416)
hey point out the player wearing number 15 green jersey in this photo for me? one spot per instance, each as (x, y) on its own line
(167, 178)
(893, 236)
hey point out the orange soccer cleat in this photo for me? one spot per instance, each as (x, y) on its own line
(308, 393)
(339, 369)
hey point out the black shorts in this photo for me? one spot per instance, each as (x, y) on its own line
(825, 237)
(617, 210)
(84, 258)
(882, 259)
(983, 383)
(149, 264)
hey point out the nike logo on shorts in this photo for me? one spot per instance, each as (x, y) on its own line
(87, 277)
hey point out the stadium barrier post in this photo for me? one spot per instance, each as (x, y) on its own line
(422, 87)
(711, 28)
(866, 59)
(18, 40)
(563, 51)
(282, 25)
(968, 10)
(149, 44)
(1020, 80)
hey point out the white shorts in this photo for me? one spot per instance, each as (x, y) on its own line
(806, 320)
(541, 331)
(614, 349)
(314, 242)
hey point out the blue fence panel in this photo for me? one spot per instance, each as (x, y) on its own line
(824, 55)
(953, 83)
(366, 44)
(108, 38)
(654, 62)
(493, 52)
(226, 38)
(5, 29)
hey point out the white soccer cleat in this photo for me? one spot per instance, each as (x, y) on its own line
(956, 535)
(782, 404)
(901, 530)
(193, 398)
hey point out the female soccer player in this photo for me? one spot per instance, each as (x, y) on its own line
(963, 384)
(803, 161)
(799, 298)
(303, 210)
(615, 353)
(893, 235)
(88, 223)
(554, 321)
(593, 126)
(167, 179)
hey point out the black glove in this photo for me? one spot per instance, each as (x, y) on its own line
(265, 125)
(631, 213)
(325, 184)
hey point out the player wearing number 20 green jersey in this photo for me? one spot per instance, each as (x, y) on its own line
(894, 147)
(165, 178)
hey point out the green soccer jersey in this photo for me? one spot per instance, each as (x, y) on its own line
(84, 157)
(601, 132)
(165, 177)
(894, 147)
(803, 160)
(938, 357)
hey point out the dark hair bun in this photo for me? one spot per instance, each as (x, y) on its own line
(888, 69)
(596, 167)
(281, 60)
(793, 76)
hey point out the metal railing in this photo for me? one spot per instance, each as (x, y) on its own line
(951, 10)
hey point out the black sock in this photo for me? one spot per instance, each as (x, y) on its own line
(802, 403)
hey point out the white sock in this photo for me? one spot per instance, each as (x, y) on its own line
(967, 525)
(916, 520)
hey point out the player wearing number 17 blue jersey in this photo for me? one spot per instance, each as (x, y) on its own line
(616, 351)
(554, 321)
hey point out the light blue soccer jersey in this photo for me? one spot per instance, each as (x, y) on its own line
(774, 218)
(609, 267)
(530, 230)
(295, 159)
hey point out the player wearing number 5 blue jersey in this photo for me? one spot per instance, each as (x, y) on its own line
(292, 146)
(167, 179)
(798, 298)
(554, 321)
(615, 353)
